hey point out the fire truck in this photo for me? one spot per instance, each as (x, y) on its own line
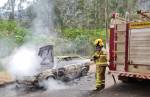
(129, 47)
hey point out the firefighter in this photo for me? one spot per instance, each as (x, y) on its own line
(100, 59)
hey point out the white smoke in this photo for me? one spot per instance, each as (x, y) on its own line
(43, 24)
(24, 62)
(6, 46)
(56, 85)
(52, 84)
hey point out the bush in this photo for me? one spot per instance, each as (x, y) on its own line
(92, 34)
(12, 30)
(83, 38)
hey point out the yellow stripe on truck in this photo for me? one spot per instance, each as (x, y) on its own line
(139, 25)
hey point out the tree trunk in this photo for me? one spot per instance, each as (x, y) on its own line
(12, 13)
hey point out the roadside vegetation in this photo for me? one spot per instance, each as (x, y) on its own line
(10, 29)
(78, 21)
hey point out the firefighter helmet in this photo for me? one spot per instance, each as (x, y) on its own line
(99, 42)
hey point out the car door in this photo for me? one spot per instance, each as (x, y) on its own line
(70, 71)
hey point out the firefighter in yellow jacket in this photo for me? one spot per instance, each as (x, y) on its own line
(100, 59)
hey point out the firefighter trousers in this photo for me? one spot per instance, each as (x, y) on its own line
(100, 75)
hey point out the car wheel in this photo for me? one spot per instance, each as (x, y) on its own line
(66, 79)
(17, 86)
(42, 85)
(84, 72)
(61, 72)
(50, 77)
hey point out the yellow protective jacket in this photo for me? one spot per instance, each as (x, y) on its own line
(100, 58)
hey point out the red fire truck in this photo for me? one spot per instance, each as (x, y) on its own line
(129, 48)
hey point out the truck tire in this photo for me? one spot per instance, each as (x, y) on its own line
(129, 80)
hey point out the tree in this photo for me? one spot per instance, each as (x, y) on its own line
(12, 6)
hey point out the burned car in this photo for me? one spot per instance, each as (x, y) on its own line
(64, 68)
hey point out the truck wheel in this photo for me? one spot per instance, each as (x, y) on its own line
(128, 80)
(124, 81)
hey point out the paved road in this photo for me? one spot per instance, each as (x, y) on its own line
(125, 90)
(77, 88)
(82, 88)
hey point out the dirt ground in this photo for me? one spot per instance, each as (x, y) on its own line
(5, 78)
(83, 87)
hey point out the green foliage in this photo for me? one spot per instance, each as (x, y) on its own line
(90, 34)
(83, 38)
(10, 29)
(72, 33)
(90, 13)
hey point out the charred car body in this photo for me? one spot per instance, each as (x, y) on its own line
(64, 68)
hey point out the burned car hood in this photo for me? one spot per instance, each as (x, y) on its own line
(26, 79)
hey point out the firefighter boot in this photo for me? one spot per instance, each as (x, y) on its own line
(101, 87)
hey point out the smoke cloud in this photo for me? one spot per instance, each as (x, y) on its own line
(52, 84)
(6, 46)
(43, 24)
(56, 85)
(24, 62)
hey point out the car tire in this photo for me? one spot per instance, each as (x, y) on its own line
(84, 72)
(61, 72)
(50, 77)
(17, 86)
(66, 79)
(44, 84)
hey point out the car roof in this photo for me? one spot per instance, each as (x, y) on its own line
(73, 56)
